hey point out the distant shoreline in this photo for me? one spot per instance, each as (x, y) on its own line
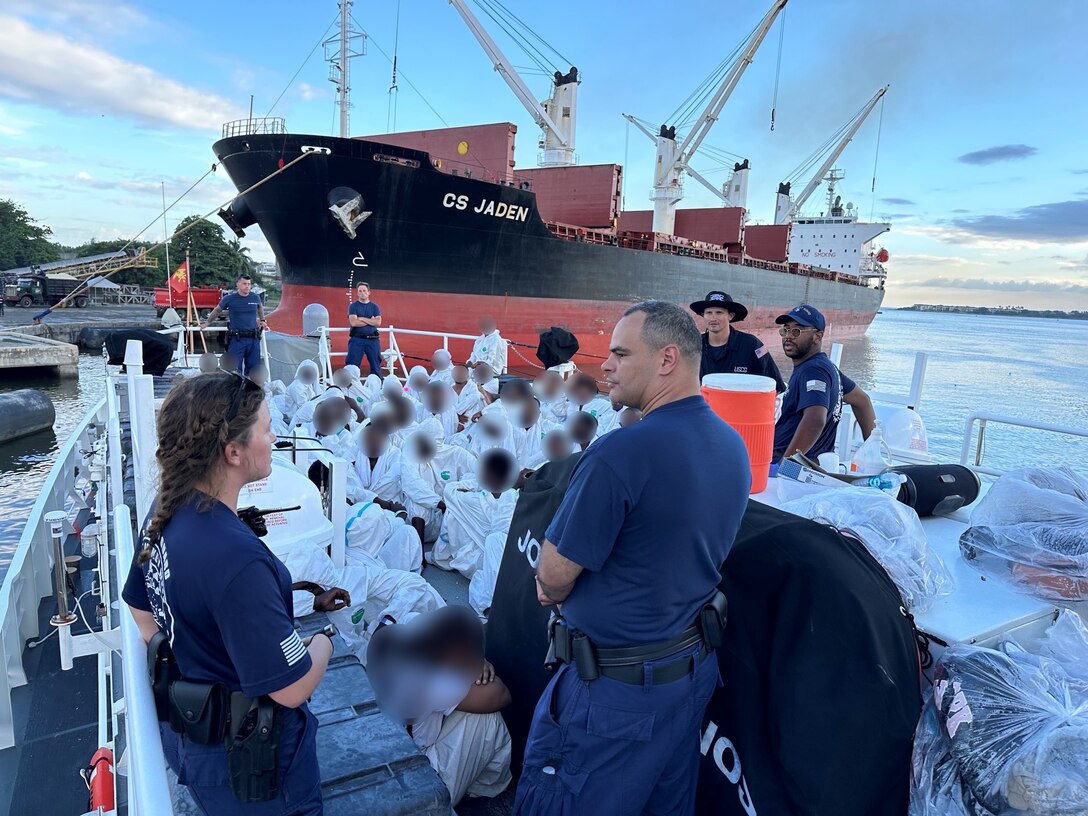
(1053, 314)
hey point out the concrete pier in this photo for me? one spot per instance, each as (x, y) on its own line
(19, 350)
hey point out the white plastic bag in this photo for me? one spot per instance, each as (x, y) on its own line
(890, 531)
(1031, 529)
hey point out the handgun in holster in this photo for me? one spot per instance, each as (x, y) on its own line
(712, 620)
(252, 745)
(559, 651)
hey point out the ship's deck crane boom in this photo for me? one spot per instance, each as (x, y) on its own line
(673, 159)
(786, 207)
(558, 136)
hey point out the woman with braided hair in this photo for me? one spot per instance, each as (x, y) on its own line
(222, 598)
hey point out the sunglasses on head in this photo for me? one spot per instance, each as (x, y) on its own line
(245, 385)
(794, 331)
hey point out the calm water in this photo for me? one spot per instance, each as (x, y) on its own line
(1018, 366)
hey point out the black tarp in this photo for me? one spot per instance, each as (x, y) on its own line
(556, 346)
(820, 669)
(158, 348)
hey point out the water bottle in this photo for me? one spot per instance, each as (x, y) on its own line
(888, 482)
(873, 455)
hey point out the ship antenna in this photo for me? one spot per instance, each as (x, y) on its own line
(339, 51)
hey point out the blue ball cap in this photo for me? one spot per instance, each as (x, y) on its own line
(805, 315)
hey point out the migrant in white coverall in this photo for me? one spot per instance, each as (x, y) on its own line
(438, 399)
(453, 706)
(302, 389)
(428, 467)
(475, 510)
(489, 347)
(417, 382)
(442, 367)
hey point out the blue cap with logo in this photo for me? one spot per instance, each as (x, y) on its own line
(805, 315)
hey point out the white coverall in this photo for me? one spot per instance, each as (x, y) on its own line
(470, 518)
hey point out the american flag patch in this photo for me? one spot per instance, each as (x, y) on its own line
(762, 350)
(816, 385)
(293, 650)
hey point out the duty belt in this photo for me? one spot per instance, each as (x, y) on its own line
(627, 664)
(241, 334)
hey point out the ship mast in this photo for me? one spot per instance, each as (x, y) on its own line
(673, 160)
(339, 51)
(785, 207)
(556, 116)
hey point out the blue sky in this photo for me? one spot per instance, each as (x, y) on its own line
(982, 165)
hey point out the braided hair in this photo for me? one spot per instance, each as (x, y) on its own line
(193, 431)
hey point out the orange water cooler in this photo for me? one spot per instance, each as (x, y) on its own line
(746, 402)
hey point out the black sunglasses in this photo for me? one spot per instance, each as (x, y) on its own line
(236, 405)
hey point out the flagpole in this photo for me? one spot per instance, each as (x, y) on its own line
(188, 304)
(166, 244)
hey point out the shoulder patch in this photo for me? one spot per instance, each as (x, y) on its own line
(761, 351)
(816, 385)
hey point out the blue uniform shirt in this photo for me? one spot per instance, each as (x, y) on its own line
(742, 353)
(364, 310)
(241, 311)
(651, 513)
(224, 600)
(816, 381)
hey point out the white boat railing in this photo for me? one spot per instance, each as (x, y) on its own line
(185, 358)
(28, 579)
(393, 355)
(983, 419)
(146, 783)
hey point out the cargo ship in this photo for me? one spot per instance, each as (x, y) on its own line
(445, 228)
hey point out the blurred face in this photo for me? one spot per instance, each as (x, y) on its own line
(362, 291)
(491, 427)
(244, 286)
(460, 374)
(716, 318)
(557, 445)
(580, 392)
(440, 362)
(530, 413)
(255, 456)
(798, 340)
(258, 374)
(495, 471)
(418, 381)
(482, 374)
(583, 428)
(308, 375)
(629, 417)
(424, 447)
(402, 411)
(487, 324)
(341, 379)
(548, 385)
(435, 398)
(325, 419)
(375, 440)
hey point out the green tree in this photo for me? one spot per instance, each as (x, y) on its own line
(22, 240)
(213, 260)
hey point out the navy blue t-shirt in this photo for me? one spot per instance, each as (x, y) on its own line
(242, 311)
(364, 310)
(224, 600)
(650, 514)
(816, 381)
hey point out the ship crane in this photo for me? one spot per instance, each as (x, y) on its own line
(556, 116)
(673, 160)
(786, 207)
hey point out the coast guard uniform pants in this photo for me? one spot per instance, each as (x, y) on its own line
(608, 748)
(246, 351)
(369, 347)
(202, 769)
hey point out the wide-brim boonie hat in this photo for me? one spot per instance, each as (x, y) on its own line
(720, 300)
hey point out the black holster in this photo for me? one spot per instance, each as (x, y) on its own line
(200, 711)
(559, 643)
(252, 746)
(712, 620)
(162, 669)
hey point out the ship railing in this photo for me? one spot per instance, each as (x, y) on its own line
(28, 578)
(974, 436)
(263, 125)
(393, 355)
(189, 347)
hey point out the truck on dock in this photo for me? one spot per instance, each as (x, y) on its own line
(205, 298)
(40, 289)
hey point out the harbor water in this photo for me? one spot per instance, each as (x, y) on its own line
(1023, 367)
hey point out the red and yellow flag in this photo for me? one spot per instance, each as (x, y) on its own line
(179, 281)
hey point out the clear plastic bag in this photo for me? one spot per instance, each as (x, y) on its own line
(1031, 529)
(1015, 727)
(890, 531)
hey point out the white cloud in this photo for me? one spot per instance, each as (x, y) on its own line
(11, 125)
(81, 15)
(958, 235)
(47, 68)
(934, 260)
(307, 91)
